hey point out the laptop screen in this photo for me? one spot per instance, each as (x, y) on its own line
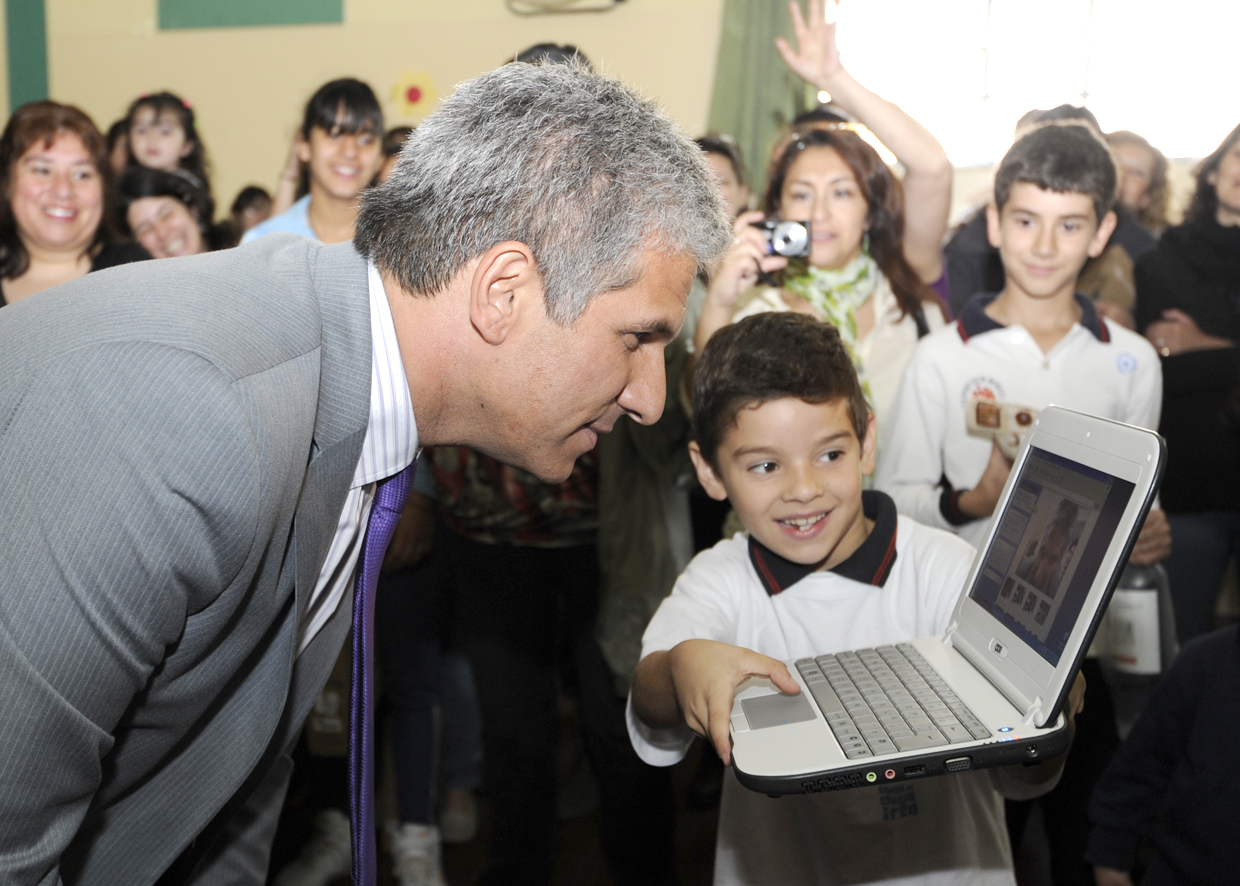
(1048, 547)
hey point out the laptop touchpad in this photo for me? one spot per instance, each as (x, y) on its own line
(776, 710)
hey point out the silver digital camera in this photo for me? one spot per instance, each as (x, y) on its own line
(787, 238)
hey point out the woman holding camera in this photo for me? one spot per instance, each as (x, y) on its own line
(870, 261)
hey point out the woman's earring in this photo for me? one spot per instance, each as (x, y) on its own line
(865, 243)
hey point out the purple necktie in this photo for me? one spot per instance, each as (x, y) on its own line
(390, 498)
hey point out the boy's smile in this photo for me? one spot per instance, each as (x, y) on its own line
(793, 470)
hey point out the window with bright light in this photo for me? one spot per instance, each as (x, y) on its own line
(968, 69)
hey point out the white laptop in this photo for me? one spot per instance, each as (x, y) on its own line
(990, 691)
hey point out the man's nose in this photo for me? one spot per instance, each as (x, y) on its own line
(642, 398)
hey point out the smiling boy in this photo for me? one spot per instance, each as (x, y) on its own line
(1035, 343)
(782, 430)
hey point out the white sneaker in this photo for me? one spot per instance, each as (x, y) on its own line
(325, 857)
(415, 854)
(458, 818)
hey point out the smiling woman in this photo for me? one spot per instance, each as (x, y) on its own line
(53, 177)
(169, 214)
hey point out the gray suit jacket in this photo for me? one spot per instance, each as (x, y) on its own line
(177, 439)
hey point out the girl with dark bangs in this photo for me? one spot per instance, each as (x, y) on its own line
(336, 154)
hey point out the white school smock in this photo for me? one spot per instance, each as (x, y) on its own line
(945, 830)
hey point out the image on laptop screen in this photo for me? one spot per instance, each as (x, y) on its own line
(1047, 550)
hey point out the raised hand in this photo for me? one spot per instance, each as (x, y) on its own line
(817, 57)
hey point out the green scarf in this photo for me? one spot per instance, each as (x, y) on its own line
(836, 294)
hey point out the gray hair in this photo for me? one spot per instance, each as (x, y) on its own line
(576, 166)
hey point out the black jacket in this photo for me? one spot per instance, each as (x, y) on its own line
(1196, 268)
(1174, 780)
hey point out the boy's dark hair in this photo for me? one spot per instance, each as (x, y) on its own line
(346, 106)
(768, 357)
(1059, 112)
(1064, 158)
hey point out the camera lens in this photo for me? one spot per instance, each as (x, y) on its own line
(790, 238)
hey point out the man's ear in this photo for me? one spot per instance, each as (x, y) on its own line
(869, 446)
(706, 474)
(994, 230)
(505, 287)
(1103, 234)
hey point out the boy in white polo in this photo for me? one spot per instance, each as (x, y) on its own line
(1035, 343)
(782, 430)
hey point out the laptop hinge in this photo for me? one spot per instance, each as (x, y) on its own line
(1031, 716)
(1028, 707)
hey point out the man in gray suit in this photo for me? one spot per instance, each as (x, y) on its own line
(189, 449)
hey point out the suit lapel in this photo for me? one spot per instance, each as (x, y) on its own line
(340, 279)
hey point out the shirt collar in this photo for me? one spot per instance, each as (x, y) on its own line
(391, 442)
(869, 564)
(974, 320)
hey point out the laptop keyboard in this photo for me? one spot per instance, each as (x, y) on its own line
(889, 699)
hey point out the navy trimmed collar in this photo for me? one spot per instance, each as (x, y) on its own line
(870, 564)
(974, 320)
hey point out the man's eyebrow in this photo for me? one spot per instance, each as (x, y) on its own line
(658, 328)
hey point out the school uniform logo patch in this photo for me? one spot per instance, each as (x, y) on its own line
(982, 387)
(1125, 363)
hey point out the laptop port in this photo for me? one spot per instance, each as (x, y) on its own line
(910, 771)
(959, 764)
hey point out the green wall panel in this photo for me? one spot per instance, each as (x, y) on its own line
(175, 14)
(27, 49)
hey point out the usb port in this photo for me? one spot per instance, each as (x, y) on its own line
(914, 770)
(959, 764)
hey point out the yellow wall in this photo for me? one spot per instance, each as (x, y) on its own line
(248, 85)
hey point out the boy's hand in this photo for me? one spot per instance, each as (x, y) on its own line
(980, 501)
(1154, 542)
(1111, 877)
(817, 56)
(705, 675)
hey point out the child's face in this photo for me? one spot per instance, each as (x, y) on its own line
(1044, 238)
(793, 470)
(341, 164)
(158, 141)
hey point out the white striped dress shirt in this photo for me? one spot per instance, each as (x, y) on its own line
(390, 446)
